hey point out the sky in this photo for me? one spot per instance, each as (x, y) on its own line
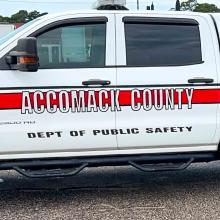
(9, 7)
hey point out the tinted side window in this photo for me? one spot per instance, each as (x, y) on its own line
(162, 44)
(75, 46)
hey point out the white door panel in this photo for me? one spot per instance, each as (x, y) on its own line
(161, 128)
(14, 136)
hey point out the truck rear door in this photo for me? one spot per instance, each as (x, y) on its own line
(57, 109)
(167, 77)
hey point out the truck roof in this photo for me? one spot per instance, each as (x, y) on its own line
(134, 13)
(123, 12)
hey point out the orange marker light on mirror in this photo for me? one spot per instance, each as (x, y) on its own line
(28, 60)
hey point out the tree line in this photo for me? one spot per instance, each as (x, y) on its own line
(193, 5)
(22, 16)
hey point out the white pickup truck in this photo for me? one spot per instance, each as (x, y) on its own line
(82, 89)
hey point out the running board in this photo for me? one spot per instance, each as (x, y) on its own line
(65, 167)
(161, 167)
(50, 173)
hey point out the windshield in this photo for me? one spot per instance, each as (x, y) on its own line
(13, 33)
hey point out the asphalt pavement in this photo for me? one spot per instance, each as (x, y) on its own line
(114, 193)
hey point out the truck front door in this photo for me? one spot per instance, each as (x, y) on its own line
(61, 108)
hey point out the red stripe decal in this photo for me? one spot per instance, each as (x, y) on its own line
(200, 96)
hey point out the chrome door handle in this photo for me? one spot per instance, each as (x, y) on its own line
(201, 80)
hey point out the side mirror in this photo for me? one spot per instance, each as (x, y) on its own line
(25, 57)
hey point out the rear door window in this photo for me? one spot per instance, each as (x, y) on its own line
(156, 43)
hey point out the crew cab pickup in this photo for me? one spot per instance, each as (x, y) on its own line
(82, 89)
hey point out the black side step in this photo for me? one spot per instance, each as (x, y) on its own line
(161, 167)
(64, 167)
(50, 173)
